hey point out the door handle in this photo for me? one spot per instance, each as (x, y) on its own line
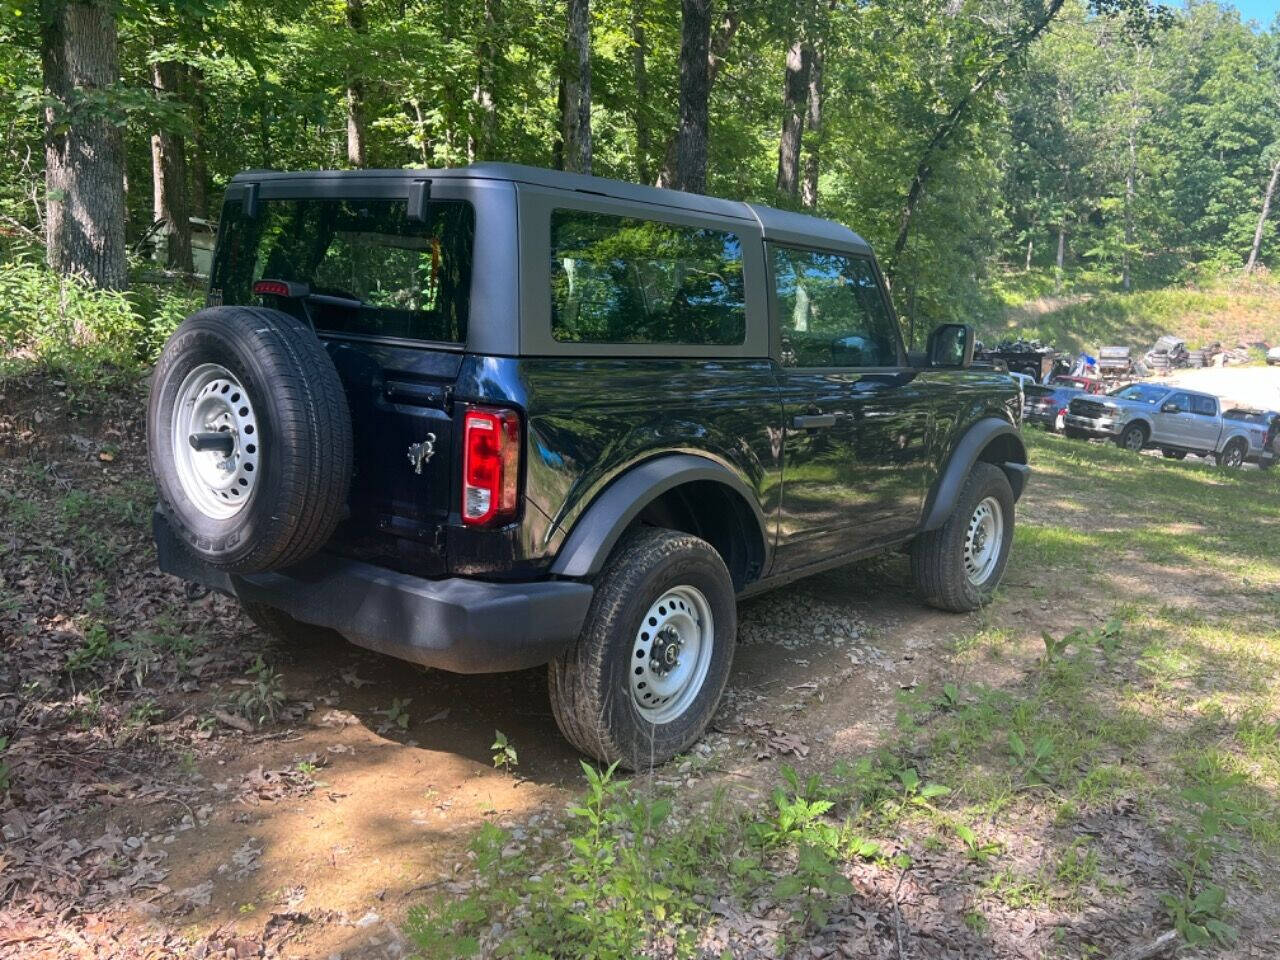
(814, 421)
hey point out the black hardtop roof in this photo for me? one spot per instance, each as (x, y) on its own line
(777, 224)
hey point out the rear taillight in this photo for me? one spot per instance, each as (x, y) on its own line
(490, 466)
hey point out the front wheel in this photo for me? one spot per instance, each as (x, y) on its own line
(644, 677)
(1133, 438)
(958, 566)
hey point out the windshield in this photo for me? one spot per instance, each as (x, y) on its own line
(394, 277)
(1141, 393)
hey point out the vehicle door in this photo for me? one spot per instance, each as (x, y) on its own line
(1203, 425)
(1170, 420)
(855, 422)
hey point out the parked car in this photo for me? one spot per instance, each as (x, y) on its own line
(1115, 363)
(1046, 406)
(1273, 356)
(1083, 384)
(495, 417)
(1176, 421)
(154, 244)
(1264, 434)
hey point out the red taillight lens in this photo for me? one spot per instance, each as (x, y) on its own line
(490, 466)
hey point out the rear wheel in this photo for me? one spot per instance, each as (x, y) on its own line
(1134, 437)
(646, 674)
(1232, 456)
(958, 566)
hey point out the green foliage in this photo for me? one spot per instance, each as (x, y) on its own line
(261, 696)
(66, 326)
(504, 752)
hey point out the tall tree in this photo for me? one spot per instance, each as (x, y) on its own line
(357, 154)
(169, 177)
(575, 118)
(639, 66)
(84, 153)
(795, 100)
(1262, 217)
(482, 141)
(813, 127)
(688, 171)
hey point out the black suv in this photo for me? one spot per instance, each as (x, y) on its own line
(495, 417)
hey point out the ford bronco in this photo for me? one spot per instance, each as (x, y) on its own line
(494, 417)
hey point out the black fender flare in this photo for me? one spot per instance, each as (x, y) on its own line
(968, 452)
(598, 529)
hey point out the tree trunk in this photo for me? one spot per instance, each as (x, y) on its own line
(689, 171)
(681, 166)
(84, 155)
(169, 179)
(1130, 176)
(795, 96)
(1262, 218)
(356, 152)
(1027, 267)
(480, 142)
(197, 156)
(813, 123)
(639, 54)
(1010, 50)
(575, 117)
(1062, 255)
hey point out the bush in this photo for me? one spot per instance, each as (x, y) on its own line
(67, 326)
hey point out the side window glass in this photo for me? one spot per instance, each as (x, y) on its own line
(1181, 400)
(831, 312)
(1204, 406)
(626, 280)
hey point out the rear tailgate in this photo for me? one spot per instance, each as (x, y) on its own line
(402, 486)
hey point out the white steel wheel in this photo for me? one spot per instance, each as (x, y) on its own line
(671, 654)
(215, 441)
(983, 541)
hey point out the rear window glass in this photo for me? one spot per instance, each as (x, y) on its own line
(627, 280)
(371, 270)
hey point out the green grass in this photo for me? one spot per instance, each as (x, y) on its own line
(1152, 685)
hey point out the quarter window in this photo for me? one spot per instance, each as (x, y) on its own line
(831, 310)
(628, 280)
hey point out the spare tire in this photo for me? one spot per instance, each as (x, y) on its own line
(249, 437)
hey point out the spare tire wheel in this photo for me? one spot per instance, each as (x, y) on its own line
(249, 437)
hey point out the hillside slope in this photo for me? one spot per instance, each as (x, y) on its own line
(1242, 311)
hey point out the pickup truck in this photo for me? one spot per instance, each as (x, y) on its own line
(1176, 421)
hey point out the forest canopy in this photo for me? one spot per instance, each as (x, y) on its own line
(964, 138)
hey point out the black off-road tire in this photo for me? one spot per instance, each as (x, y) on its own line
(1233, 455)
(590, 683)
(937, 556)
(280, 625)
(302, 438)
(1170, 454)
(1127, 438)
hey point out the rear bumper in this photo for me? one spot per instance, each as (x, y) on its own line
(457, 624)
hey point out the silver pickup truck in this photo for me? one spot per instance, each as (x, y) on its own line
(1153, 415)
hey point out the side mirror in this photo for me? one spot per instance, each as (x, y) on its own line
(951, 345)
(1171, 407)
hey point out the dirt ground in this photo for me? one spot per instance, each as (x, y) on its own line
(142, 821)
